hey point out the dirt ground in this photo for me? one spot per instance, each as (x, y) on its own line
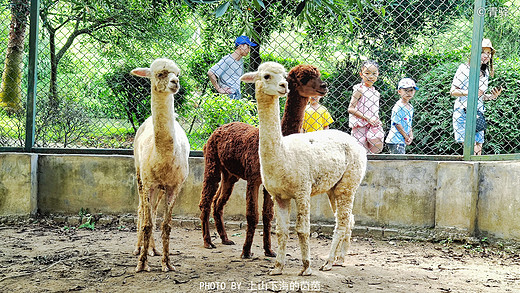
(47, 258)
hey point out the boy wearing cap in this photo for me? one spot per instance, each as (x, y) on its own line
(401, 134)
(225, 75)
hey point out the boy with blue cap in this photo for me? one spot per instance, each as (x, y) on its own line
(225, 75)
(401, 134)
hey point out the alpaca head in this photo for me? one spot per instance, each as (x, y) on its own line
(269, 79)
(163, 74)
(306, 80)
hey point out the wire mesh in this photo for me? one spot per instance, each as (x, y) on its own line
(86, 97)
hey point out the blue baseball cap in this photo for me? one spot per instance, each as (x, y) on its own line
(244, 40)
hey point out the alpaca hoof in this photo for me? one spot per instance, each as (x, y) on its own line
(168, 267)
(275, 272)
(142, 266)
(305, 272)
(247, 255)
(228, 242)
(209, 245)
(339, 261)
(154, 252)
(137, 251)
(327, 266)
(270, 253)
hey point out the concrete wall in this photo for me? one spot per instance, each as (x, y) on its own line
(469, 196)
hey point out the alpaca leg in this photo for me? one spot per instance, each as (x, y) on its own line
(209, 188)
(343, 217)
(139, 243)
(140, 211)
(169, 199)
(146, 230)
(251, 216)
(340, 255)
(226, 188)
(303, 230)
(153, 250)
(282, 213)
(267, 218)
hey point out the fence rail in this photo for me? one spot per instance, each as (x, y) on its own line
(66, 85)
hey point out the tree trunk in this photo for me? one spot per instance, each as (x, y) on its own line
(10, 90)
(254, 56)
(53, 91)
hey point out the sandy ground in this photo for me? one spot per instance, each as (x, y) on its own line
(42, 258)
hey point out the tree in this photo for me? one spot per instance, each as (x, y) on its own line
(95, 18)
(10, 90)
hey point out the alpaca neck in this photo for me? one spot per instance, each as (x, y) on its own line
(163, 117)
(270, 134)
(294, 113)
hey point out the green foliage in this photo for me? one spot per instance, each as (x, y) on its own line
(433, 130)
(503, 132)
(199, 62)
(215, 110)
(90, 221)
(288, 63)
(418, 64)
(131, 95)
(340, 90)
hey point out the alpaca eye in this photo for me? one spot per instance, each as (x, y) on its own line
(267, 76)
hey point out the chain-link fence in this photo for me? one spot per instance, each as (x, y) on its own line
(86, 98)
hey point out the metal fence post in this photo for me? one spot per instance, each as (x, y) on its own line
(32, 76)
(474, 78)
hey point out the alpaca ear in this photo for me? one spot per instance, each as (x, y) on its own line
(142, 72)
(249, 77)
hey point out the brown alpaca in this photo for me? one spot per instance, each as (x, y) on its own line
(231, 153)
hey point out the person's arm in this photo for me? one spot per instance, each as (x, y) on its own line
(457, 92)
(410, 138)
(493, 95)
(407, 138)
(214, 81)
(354, 111)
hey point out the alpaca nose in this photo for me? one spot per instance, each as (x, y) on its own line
(324, 85)
(284, 86)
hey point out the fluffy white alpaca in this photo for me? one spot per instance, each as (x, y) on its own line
(161, 151)
(299, 166)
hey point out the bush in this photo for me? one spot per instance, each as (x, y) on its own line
(213, 111)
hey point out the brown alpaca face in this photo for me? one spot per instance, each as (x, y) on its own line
(314, 87)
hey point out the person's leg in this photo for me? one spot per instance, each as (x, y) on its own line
(396, 149)
(359, 133)
(375, 136)
(375, 145)
(478, 149)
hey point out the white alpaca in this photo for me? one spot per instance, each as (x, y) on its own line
(299, 166)
(161, 151)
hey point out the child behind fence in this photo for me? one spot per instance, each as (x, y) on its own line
(364, 110)
(317, 117)
(401, 133)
